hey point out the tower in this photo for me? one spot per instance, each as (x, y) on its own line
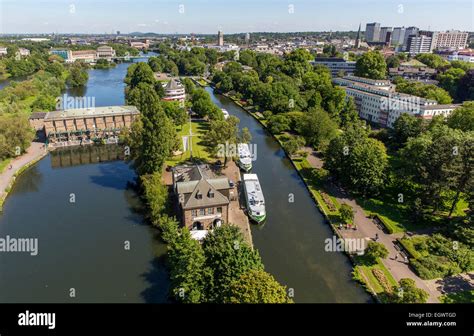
(220, 38)
(357, 41)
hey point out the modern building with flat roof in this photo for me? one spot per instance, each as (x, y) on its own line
(84, 124)
(336, 65)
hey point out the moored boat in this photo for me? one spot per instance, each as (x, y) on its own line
(244, 160)
(254, 198)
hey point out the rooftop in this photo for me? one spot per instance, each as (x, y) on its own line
(88, 112)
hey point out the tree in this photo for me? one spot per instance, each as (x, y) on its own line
(405, 127)
(358, 161)
(371, 65)
(155, 194)
(158, 134)
(407, 292)
(245, 135)
(188, 274)
(463, 117)
(229, 257)
(349, 113)
(317, 128)
(139, 73)
(450, 80)
(221, 133)
(257, 286)
(175, 112)
(279, 123)
(432, 60)
(77, 76)
(375, 250)
(393, 62)
(428, 91)
(346, 213)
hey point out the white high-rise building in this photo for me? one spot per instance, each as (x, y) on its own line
(450, 40)
(409, 32)
(419, 44)
(372, 32)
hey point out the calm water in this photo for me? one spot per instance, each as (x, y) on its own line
(81, 244)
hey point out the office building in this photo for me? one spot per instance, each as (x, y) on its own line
(372, 32)
(450, 40)
(409, 32)
(398, 36)
(419, 44)
(385, 34)
(336, 65)
(220, 38)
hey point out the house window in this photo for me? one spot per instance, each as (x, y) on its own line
(202, 212)
(210, 211)
(194, 213)
(219, 210)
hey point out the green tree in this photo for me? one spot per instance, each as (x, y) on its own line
(257, 286)
(229, 257)
(375, 250)
(349, 113)
(371, 65)
(139, 73)
(175, 112)
(407, 292)
(222, 132)
(78, 76)
(158, 134)
(432, 60)
(317, 128)
(450, 80)
(346, 213)
(405, 127)
(463, 117)
(155, 194)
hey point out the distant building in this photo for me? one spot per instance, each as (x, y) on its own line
(140, 44)
(410, 31)
(86, 56)
(419, 44)
(466, 56)
(398, 37)
(372, 32)
(220, 38)
(247, 38)
(357, 40)
(22, 52)
(65, 54)
(385, 34)
(450, 40)
(203, 198)
(413, 73)
(3, 51)
(174, 91)
(336, 65)
(105, 52)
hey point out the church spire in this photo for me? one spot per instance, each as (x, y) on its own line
(357, 41)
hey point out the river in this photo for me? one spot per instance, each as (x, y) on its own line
(81, 244)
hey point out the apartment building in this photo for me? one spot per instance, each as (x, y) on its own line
(87, 56)
(419, 44)
(336, 65)
(453, 39)
(372, 32)
(379, 103)
(105, 52)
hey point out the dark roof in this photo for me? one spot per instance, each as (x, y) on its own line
(38, 115)
(209, 196)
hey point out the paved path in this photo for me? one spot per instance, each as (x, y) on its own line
(368, 229)
(34, 152)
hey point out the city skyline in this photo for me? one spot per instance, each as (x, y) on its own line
(209, 16)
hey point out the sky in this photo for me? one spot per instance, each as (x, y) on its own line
(237, 16)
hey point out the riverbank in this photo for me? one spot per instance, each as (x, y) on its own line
(33, 154)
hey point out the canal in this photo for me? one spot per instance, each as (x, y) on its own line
(291, 242)
(82, 243)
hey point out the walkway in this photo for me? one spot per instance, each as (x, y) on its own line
(33, 153)
(366, 228)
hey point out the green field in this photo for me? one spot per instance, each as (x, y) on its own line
(199, 150)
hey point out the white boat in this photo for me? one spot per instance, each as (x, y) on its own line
(226, 114)
(254, 198)
(245, 157)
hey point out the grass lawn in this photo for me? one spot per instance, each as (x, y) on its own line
(459, 297)
(367, 277)
(199, 149)
(4, 164)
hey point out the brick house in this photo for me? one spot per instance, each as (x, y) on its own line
(203, 199)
